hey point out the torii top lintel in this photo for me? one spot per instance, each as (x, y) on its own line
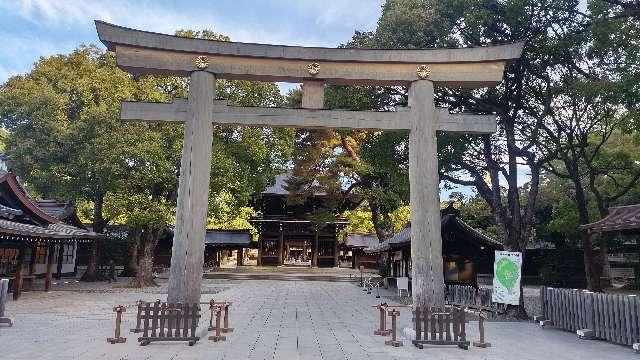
(142, 52)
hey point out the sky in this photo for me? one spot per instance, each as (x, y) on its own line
(30, 29)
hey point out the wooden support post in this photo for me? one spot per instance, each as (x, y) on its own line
(335, 253)
(281, 248)
(212, 310)
(218, 336)
(117, 339)
(239, 259)
(426, 241)
(226, 328)
(59, 265)
(382, 329)
(187, 255)
(314, 248)
(393, 341)
(138, 328)
(305, 248)
(259, 250)
(17, 290)
(49, 276)
(32, 260)
(482, 344)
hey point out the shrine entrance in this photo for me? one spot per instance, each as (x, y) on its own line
(203, 61)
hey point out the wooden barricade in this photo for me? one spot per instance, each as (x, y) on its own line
(382, 329)
(611, 317)
(169, 322)
(469, 296)
(4, 295)
(117, 339)
(482, 316)
(393, 313)
(436, 326)
(217, 311)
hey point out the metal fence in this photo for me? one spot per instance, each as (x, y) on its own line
(477, 298)
(612, 317)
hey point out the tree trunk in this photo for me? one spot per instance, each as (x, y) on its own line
(375, 219)
(99, 225)
(148, 241)
(131, 267)
(592, 266)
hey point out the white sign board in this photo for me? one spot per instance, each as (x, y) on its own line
(507, 271)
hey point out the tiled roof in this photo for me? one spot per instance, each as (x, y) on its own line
(619, 218)
(363, 241)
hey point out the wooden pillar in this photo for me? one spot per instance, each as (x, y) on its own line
(239, 258)
(17, 289)
(304, 251)
(426, 242)
(187, 254)
(32, 261)
(335, 252)
(354, 255)
(60, 257)
(281, 248)
(260, 250)
(50, 252)
(314, 248)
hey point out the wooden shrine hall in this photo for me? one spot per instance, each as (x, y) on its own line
(466, 252)
(287, 236)
(34, 233)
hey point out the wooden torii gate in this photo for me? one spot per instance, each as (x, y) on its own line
(140, 52)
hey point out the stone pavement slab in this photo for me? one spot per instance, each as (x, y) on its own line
(272, 320)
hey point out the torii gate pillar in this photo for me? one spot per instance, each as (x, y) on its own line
(426, 243)
(187, 253)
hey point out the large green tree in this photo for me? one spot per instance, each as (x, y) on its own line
(66, 141)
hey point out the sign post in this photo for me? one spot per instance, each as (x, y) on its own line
(507, 272)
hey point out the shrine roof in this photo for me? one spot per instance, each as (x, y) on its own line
(228, 237)
(619, 218)
(361, 241)
(449, 218)
(279, 187)
(23, 218)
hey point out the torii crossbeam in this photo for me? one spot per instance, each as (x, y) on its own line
(140, 52)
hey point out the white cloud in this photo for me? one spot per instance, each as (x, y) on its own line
(159, 18)
(358, 14)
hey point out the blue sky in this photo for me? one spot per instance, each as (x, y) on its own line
(33, 28)
(30, 29)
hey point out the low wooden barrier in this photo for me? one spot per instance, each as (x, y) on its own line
(436, 326)
(610, 317)
(4, 295)
(117, 339)
(169, 322)
(382, 329)
(482, 316)
(469, 296)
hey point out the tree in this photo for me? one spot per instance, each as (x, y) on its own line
(67, 142)
(64, 134)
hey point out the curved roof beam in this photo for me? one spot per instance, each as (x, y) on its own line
(142, 52)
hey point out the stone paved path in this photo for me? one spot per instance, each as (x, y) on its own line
(273, 320)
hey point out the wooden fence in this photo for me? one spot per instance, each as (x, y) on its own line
(469, 296)
(169, 322)
(612, 317)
